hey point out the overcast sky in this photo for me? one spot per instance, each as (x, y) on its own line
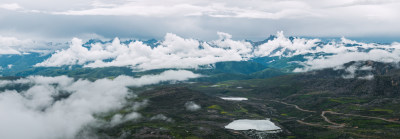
(199, 19)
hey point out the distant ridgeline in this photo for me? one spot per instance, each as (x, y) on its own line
(222, 59)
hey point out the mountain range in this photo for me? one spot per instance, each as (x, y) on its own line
(186, 88)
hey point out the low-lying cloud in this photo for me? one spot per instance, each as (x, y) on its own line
(175, 8)
(59, 107)
(381, 53)
(192, 106)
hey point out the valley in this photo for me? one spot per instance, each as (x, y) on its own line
(303, 105)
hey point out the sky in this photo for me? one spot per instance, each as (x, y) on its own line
(62, 20)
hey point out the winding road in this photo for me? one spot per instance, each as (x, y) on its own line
(326, 119)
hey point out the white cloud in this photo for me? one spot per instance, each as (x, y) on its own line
(9, 66)
(118, 118)
(201, 18)
(297, 46)
(351, 72)
(345, 57)
(161, 117)
(177, 52)
(7, 43)
(192, 106)
(367, 77)
(11, 6)
(13, 45)
(7, 50)
(256, 9)
(174, 52)
(42, 113)
(233, 9)
(364, 2)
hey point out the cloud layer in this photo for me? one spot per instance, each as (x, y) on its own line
(217, 9)
(199, 18)
(177, 52)
(59, 107)
(9, 45)
(10, 6)
(12, 45)
(173, 52)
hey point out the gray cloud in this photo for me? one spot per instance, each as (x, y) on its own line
(197, 8)
(364, 2)
(199, 19)
(192, 106)
(10, 6)
(12, 45)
